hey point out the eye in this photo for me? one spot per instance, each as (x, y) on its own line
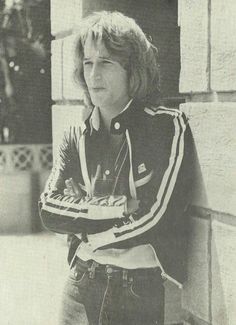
(87, 63)
(107, 62)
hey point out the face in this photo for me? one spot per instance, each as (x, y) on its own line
(106, 79)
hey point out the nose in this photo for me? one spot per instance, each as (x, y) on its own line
(95, 72)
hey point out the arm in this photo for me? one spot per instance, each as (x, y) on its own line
(167, 151)
(60, 212)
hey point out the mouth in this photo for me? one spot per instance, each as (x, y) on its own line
(97, 89)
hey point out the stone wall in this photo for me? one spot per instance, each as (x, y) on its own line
(208, 81)
(67, 96)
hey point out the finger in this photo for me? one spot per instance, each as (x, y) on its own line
(69, 193)
(75, 187)
(66, 192)
(68, 184)
(132, 205)
(70, 188)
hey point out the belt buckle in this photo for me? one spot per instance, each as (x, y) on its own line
(92, 269)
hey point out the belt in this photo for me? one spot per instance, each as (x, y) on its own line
(108, 270)
(96, 269)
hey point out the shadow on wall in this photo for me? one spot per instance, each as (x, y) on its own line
(199, 194)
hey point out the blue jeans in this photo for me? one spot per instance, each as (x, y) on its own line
(107, 295)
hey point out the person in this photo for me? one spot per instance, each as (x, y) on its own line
(121, 184)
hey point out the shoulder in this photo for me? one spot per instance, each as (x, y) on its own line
(157, 111)
(163, 122)
(161, 115)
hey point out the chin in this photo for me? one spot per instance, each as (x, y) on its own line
(99, 103)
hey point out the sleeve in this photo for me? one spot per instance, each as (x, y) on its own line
(69, 215)
(167, 151)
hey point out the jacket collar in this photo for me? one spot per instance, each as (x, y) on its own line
(118, 124)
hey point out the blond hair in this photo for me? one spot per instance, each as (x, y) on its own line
(126, 41)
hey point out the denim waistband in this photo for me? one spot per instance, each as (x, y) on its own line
(96, 269)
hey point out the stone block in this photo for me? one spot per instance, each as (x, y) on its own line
(223, 45)
(194, 46)
(213, 126)
(64, 116)
(193, 320)
(195, 298)
(56, 67)
(64, 15)
(71, 90)
(223, 273)
(173, 309)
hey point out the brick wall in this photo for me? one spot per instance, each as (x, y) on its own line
(207, 79)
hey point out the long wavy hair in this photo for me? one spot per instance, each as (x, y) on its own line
(127, 43)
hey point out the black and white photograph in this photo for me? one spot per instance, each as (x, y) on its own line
(117, 162)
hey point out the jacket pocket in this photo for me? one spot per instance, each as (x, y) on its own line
(145, 287)
(78, 273)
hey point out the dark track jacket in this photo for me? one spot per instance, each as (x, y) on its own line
(157, 166)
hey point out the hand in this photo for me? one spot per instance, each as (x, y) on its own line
(132, 206)
(72, 189)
